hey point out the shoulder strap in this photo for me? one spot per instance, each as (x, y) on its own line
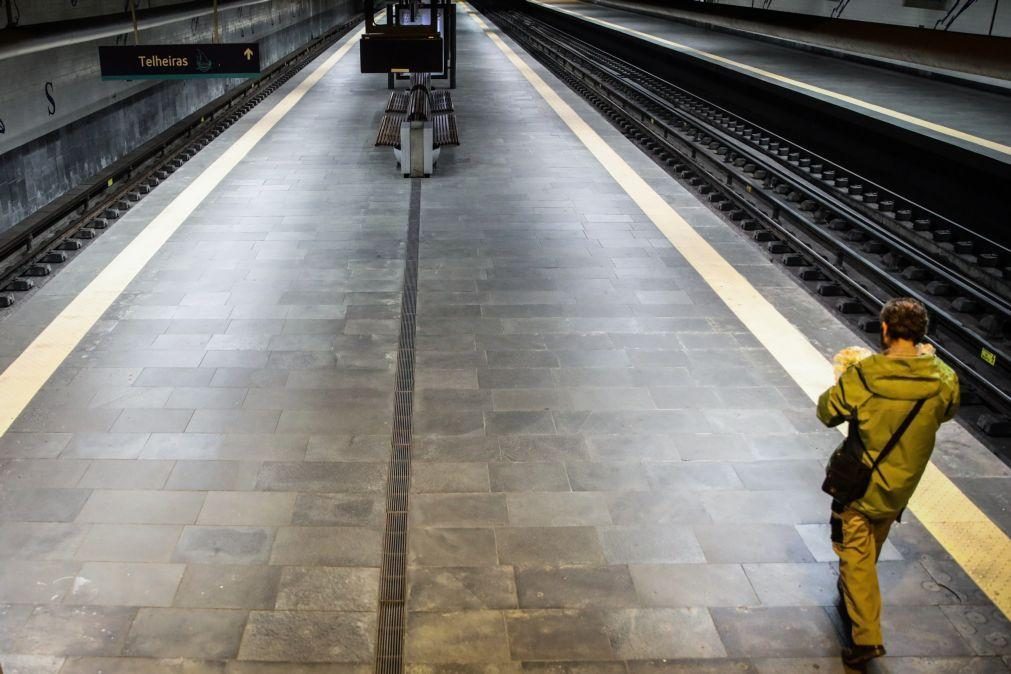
(894, 440)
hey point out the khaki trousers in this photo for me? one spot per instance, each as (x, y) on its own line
(857, 540)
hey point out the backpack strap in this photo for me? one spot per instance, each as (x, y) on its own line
(897, 435)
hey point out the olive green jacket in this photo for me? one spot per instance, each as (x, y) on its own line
(879, 392)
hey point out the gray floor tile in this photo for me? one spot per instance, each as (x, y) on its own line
(12, 618)
(650, 508)
(125, 584)
(354, 510)
(142, 507)
(152, 421)
(105, 446)
(776, 632)
(444, 477)
(794, 584)
(685, 585)
(213, 476)
(105, 474)
(543, 448)
(648, 633)
(558, 634)
(33, 445)
(458, 510)
(326, 546)
(230, 421)
(751, 543)
(344, 477)
(600, 476)
(42, 504)
(692, 476)
(128, 543)
(767, 507)
(186, 633)
(25, 473)
(664, 544)
(549, 545)
(461, 637)
(695, 666)
(584, 587)
(40, 540)
(984, 627)
(75, 630)
(921, 631)
(907, 583)
(557, 509)
(295, 636)
(461, 588)
(35, 582)
(343, 448)
(328, 589)
(224, 545)
(230, 587)
(453, 547)
(528, 476)
(247, 509)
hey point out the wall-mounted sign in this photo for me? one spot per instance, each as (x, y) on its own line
(179, 61)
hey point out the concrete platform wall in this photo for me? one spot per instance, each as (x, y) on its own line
(916, 13)
(61, 123)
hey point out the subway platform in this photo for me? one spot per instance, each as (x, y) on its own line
(615, 466)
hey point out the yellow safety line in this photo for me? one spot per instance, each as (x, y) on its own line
(910, 119)
(976, 543)
(25, 376)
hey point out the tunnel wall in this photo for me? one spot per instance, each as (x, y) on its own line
(62, 124)
(977, 19)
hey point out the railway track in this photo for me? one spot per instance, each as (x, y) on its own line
(33, 249)
(852, 242)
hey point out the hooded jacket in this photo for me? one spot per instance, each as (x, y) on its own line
(879, 392)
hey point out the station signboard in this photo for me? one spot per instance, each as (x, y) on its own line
(179, 61)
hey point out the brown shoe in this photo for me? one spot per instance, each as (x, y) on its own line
(857, 656)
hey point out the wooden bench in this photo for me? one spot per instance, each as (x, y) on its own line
(420, 104)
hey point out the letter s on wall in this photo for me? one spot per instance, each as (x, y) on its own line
(49, 97)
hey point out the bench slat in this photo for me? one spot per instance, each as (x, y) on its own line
(398, 102)
(389, 130)
(444, 130)
(442, 101)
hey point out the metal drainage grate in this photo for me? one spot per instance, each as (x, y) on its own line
(393, 572)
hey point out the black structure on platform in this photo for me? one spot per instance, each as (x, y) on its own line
(418, 37)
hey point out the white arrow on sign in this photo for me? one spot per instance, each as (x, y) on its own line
(248, 54)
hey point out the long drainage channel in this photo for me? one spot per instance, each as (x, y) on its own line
(393, 572)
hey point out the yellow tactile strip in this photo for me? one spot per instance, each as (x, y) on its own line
(769, 75)
(25, 376)
(976, 543)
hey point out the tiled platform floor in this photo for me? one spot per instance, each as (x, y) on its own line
(608, 469)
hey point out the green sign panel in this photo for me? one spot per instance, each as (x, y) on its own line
(179, 61)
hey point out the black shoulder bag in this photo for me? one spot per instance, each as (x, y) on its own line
(847, 477)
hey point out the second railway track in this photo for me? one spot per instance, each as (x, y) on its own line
(853, 242)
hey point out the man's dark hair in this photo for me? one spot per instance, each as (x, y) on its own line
(906, 318)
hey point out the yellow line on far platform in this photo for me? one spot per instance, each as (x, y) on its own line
(767, 74)
(976, 543)
(25, 376)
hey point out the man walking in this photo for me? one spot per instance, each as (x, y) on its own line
(881, 394)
